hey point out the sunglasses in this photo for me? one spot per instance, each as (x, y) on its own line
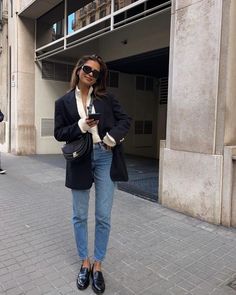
(88, 70)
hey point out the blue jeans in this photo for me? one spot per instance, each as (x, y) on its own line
(104, 191)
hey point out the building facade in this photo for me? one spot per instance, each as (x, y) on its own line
(185, 45)
(4, 72)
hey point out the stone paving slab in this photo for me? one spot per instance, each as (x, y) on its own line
(152, 250)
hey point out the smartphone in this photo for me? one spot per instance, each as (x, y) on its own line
(95, 116)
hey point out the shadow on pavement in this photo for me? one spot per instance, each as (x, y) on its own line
(143, 174)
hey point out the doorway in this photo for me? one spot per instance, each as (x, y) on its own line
(141, 84)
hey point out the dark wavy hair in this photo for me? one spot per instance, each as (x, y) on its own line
(99, 88)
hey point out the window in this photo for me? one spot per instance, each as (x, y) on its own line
(56, 71)
(92, 6)
(143, 127)
(92, 18)
(163, 90)
(102, 13)
(138, 127)
(144, 83)
(116, 6)
(147, 127)
(60, 72)
(83, 11)
(50, 26)
(57, 30)
(47, 70)
(113, 79)
(47, 127)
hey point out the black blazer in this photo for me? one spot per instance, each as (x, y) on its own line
(113, 120)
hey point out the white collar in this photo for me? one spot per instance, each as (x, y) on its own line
(77, 91)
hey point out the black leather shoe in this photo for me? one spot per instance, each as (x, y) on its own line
(98, 283)
(83, 278)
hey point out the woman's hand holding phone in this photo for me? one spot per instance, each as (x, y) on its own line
(93, 119)
(95, 116)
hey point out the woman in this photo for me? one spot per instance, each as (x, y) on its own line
(104, 166)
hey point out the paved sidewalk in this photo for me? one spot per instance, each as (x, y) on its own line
(152, 250)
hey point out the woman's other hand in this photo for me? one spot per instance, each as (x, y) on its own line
(91, 122)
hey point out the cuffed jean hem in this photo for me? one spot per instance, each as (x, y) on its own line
(98, 260)
(83, 258)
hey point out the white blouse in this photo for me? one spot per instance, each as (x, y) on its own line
(84, 127)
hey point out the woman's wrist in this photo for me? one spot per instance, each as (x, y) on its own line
(84, 127)
(109, 140)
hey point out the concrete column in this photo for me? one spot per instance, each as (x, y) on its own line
(26, 87)
(4, 76)
(200, 106)
(22, 86)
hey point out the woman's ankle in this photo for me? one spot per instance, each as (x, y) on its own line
(86, 263)
(97, 266)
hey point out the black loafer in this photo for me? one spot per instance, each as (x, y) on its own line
(83, 278)
(98, 283)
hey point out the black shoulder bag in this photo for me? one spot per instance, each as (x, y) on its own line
(80, 148)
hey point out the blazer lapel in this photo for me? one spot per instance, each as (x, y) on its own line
(70, 103)
(98, 105)
(99, 108)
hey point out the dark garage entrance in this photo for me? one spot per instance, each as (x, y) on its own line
(143, 172)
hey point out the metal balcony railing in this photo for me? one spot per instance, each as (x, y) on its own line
(134, 12)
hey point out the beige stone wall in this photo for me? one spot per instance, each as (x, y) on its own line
(26, 88)
(194, 75)
(191, 184)
(21, 40)
(201, 109)
(4, 77)
(46, 92)
(24, 3)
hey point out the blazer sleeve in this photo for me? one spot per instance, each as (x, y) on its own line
(64, 130)
(122, 121)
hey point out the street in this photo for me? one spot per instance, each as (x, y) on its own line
(152, 250)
